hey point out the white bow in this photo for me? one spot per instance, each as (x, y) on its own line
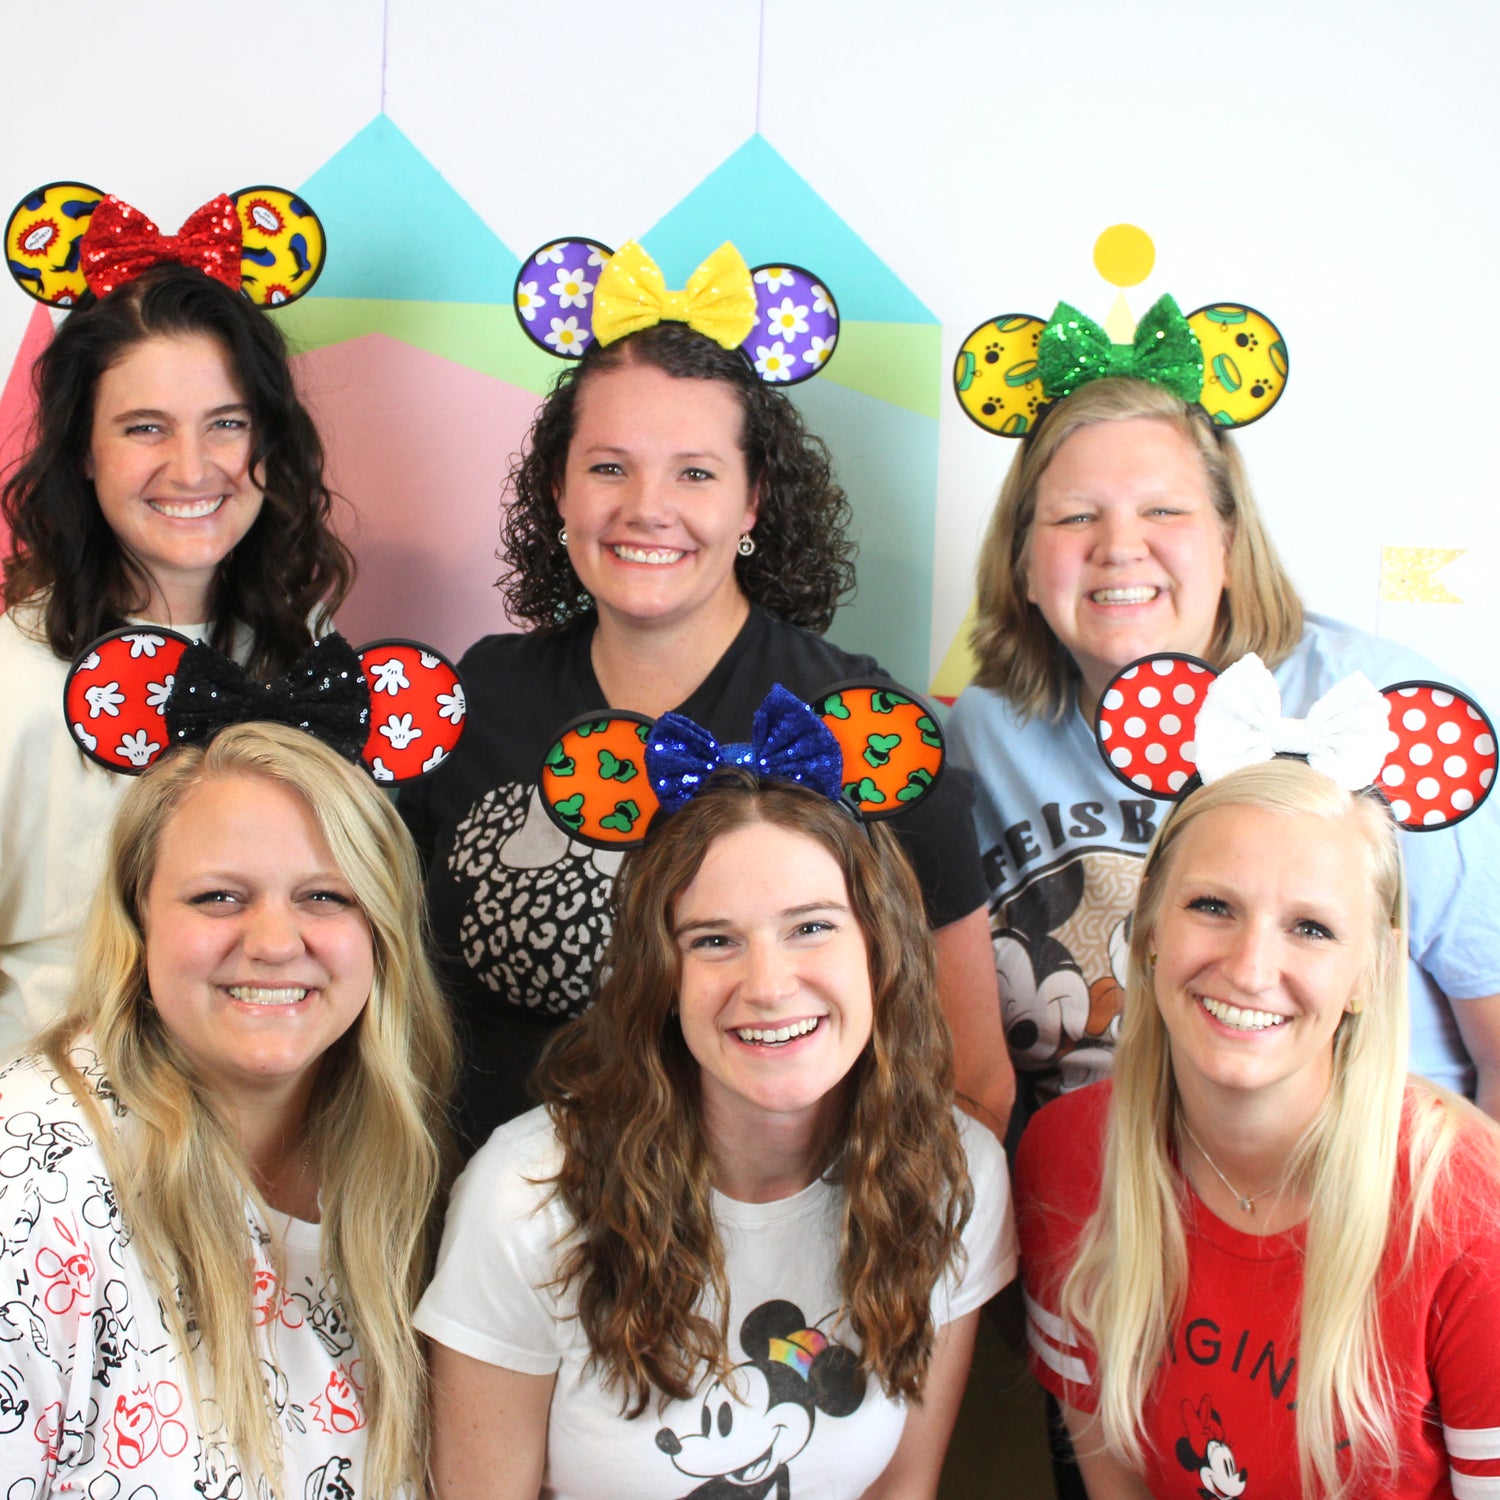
(1345, 734)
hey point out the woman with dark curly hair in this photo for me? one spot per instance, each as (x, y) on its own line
(174, 478)
(744, 1246)
(677, 540)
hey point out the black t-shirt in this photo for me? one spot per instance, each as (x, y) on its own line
(520, 913)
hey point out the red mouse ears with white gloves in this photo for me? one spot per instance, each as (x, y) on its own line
(395, 706)
(1167, 722)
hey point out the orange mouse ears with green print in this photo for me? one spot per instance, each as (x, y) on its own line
(867, 744)
(1227, 357)
(67, 238)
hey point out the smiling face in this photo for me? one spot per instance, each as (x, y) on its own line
(1262, 943)
(258, 957)
(655, 496)
(170, 460)
(774, 993)
(1126, 554)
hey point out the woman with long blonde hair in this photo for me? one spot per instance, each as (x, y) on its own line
(221, 1161)
(744, 1245)
(1262, 1259)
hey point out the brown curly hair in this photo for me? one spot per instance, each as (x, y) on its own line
(289, 564)
(623, 1091)
(803, 565)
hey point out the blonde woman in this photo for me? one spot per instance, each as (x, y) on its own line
(1263, 1260)
(219, 1165)
(1126, 526)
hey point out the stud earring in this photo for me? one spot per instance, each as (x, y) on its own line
(746, 547)
(562, 537)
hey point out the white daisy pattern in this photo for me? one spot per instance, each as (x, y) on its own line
(551, 255)
(400, 731)
(822, 302)
(145, 645)
(819, 349)
(786, 321)
(773, 363)
(567, 337)
(597, 258)
(104, 698)
(451, 705)
(137, 749)
(157, 694)
(388, 676)
(527, 301)
(773, 278)
(572, 289)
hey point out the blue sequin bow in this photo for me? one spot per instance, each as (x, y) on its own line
(1074, 350)
(788, 742)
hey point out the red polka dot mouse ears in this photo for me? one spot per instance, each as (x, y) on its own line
(1165, 720)
(1228, 357)
(67, 238)
(396, 706)
(867, 743)
(573, 292)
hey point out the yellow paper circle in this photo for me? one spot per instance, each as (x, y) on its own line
(1124, 255)
(42, 240)
(995, 375)
(284, 247)
(1244, 362)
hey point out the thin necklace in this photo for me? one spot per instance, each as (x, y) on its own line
(1247, 1204)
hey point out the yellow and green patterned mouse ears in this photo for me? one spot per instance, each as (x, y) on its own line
(1227, 357)
(67, 238)
(866, 743)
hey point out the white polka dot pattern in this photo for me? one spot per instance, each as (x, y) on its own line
(1146, 720)
(1444, 762)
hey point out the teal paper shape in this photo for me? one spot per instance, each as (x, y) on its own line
(774, 216)
(398, 230)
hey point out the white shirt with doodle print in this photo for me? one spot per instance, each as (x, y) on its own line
(93, 1395)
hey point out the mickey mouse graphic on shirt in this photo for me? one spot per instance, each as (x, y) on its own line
(1205, 1450)
(751, 1427)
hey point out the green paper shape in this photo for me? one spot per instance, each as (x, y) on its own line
(571, 811)
(878, 748)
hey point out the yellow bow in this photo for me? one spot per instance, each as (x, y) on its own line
(718, 301)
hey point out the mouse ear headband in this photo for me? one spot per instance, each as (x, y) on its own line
(865, 743)
(395, 706)
(573, 292)
(67, 238)
(1166, 723)
(1227, 357)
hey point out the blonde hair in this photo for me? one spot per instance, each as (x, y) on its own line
(379, 1106)
(1128, 1285)
(1018, 654)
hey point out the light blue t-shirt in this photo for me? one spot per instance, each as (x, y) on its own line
(1062, 839)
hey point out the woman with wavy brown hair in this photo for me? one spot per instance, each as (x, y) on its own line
(173, 478)
(676, 540)
(745, 1243)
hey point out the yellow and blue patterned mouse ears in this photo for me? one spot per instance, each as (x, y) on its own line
(1227, 357)
(575, 292)
(67, 238)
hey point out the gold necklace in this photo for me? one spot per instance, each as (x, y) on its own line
(1246, 1203)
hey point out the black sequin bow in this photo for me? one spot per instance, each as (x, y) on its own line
(324, 693)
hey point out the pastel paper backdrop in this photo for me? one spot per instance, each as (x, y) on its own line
(936, 164)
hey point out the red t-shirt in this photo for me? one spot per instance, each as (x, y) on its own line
(1219, 1421)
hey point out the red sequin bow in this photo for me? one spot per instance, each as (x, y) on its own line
(122, 242)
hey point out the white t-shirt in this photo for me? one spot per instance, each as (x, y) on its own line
(94, 1399)
(800, 1417)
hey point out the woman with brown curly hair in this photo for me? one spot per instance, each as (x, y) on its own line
(174, 478)
(744, 1245)
(677, 540)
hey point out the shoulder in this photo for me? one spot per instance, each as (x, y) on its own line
(24, 648)
(1330, 650)
(991, 1232)
(1064, 1142)
(814, 656)
(507, 1184)
(517, 650)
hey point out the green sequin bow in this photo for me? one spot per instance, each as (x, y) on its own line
(1074, 350)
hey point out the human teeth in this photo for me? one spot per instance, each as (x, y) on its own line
(771, 1035)
(257, 995)
(186, 510)
(1142, 595)
(1245, 1020)
(660, 555)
